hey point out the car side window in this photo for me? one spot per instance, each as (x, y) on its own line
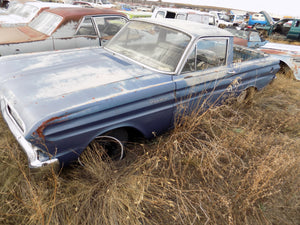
(181, 16)
(160, 14)
(208, 53)
(86, 28)
(109, 26)
(254, 36)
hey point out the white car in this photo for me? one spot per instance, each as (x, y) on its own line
(184, 14)
(20, 14)
(94, 3)
(222, 19)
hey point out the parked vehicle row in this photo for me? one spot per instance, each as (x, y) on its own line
(152, 72)
(184, 14)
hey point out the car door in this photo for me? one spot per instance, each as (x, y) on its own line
(204, 76)
(294, 32)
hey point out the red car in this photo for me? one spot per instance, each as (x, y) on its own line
(62, 28)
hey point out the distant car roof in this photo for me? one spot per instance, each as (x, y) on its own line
(194, 28)
(40, 4)
(76, 13)
(180, 10)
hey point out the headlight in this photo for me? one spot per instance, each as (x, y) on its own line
(16, 118)
(42, 156)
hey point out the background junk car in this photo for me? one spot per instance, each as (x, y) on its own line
(62, 28)
(184, 14)
(56, 103)
(283, 29)
(20, 14)
(248, 37)
(288, 55)
(93, 4)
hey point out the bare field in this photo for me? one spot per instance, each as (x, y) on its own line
(235, 164)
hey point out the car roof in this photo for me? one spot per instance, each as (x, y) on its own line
(193, 28)
(181, 10)
(40, 4)
(75, 13)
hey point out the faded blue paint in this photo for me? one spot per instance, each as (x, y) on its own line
(65, 99)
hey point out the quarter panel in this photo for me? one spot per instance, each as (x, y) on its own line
(28, 47)
(75, 42)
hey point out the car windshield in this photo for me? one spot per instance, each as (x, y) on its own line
(198, 18)
(153, 45)
(105, 2)
(224, 17)
(239, 33)
(14, 8)
(46, 22)
(27, 11)
(239, 17)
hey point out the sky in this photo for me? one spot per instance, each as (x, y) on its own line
(277, 7)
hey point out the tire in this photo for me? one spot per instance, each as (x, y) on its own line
(109, 146)
(246, 96)
(286, 71)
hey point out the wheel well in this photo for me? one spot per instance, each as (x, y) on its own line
(133, 133)
(112, 142)
(285, 70)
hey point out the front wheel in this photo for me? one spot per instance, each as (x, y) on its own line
(109, 146)
(246, 96)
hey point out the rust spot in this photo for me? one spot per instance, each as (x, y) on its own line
(271, 51)
(46, 123)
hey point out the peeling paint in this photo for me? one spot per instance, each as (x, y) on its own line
(289, 54)
(46, 123)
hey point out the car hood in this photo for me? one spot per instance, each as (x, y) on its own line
(12, 35)
(41, 86)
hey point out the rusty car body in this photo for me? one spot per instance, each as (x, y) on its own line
(289, 56)
(248, 37)
(62, 28)
(56, 103)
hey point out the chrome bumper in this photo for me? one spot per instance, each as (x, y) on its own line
(30, 150)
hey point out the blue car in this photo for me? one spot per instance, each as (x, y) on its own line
(57, 103)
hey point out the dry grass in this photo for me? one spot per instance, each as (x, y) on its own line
(235, 164)
(282, 39)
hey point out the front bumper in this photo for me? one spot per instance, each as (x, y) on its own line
(33, 153)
